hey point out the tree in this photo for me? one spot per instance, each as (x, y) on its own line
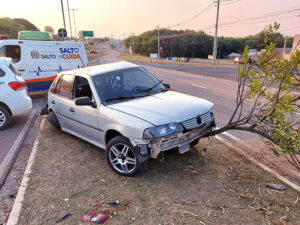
(25, 23)
(49, 29)
(267, 99)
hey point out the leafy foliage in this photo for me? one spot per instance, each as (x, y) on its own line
(267, 100)
(49, 29)
(11, 27)
(189, 43)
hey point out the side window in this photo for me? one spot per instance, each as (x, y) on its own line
(12, 51)
(55, 85)
(66, 86)
(2, 73)
(82, 88)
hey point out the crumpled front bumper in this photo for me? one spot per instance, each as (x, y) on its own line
(158, 145)
(151, 148)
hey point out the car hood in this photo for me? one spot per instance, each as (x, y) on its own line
(165, 107)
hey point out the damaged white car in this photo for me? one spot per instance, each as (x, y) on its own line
(122, 108)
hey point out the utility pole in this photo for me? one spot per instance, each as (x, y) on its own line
(132, 40)
(62, 8)
(74, 22)
(284, 46)
(216, 35)
(158, 44)
(69, 17)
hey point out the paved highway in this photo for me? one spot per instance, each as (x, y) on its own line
(9, 135)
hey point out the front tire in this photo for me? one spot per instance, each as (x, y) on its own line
(4, 118)
(122, 157)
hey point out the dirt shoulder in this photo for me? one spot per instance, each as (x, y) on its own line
(70, 175)
(141, 58)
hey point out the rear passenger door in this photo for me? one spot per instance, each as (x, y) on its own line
(81, 121)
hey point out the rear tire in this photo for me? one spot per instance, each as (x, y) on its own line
(53, 120)
(4, 118)
(123, 158)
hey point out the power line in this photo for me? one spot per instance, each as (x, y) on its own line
(206, 9)
(253, 18)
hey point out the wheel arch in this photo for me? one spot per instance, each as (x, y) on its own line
(6, 107)
(110, 134)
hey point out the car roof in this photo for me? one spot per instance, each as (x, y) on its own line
(105, 68)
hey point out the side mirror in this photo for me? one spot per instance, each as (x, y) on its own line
(85, 101)
(167, 86)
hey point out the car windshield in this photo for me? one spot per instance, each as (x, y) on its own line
(126, 84)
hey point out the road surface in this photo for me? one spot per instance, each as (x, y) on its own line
(9, 135)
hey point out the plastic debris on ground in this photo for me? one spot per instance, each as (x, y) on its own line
(63, 218)
(276, 186)
(113, 202)
(95, 217)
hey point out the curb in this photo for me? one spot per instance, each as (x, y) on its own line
(262, 166)
(15, 149)
(16, 209)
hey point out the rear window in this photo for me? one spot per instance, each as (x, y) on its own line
(2, 73)
(11, 51)
(55, 85)
(14, 69)
(66, 86)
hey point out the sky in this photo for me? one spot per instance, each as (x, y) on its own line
(120, 18)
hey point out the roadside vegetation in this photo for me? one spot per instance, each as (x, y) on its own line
(70, 175)
(11, 27)
(193, 44)
(267, 100)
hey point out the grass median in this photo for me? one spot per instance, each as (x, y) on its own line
(199, 62)
(70, 175)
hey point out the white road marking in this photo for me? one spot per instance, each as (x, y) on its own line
(16, 209)
(298, 114)
(229, 135)
(199, 86)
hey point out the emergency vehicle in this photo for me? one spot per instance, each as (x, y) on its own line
(38, 61)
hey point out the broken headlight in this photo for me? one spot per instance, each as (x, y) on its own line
(163, 130)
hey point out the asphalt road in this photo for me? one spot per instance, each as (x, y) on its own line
(219, 71)
(9, 135)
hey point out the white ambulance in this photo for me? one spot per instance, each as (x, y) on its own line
(40, 61)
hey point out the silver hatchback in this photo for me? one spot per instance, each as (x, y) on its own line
(122, 108)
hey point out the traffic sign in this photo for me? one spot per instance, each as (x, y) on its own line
(88, 33)
(62, 33)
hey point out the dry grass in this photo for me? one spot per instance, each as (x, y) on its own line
(141, 58)
(221, 188)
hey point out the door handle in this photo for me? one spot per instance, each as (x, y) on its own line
(71, 110)
(21, 70)
(53, 102)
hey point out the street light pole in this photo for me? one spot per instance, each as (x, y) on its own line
(74, 22)
(216, 35)
(132, 39)
(69, 18)
(62, 8)
(158, 44)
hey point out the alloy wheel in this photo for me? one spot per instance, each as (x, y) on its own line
(2, 118)
(122, 158)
